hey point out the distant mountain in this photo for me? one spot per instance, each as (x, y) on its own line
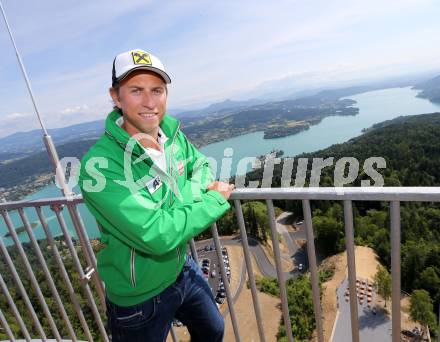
(10, 156)
(24, 143)
(17, 171)
(219, 108)
(430, 89)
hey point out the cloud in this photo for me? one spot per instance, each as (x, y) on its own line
(15, 116)
(17, 121)
(75, 109)
(213, 51)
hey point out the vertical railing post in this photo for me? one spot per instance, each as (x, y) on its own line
(22, 290)
(31, 275)
(218, 249)
(88, 251)
(14, 309)
(6, 327)
(173, 334)
(395, 269)
(351, 264)
(193, 248)
(313, 268)
(280, 273)
(45, 269)
(57, 208)
(250, 271)
(64, 275)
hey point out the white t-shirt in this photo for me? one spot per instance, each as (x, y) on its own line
(158, 157)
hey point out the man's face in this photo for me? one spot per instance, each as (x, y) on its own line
(142, 97)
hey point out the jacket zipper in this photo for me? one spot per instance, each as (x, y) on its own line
(132, 267)
(170, 167)
(171, 160)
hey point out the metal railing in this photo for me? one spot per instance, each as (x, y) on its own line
(85, 264)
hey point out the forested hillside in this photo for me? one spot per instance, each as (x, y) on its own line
(411, 149)
(430, 89)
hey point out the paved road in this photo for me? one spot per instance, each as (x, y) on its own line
(267, 269)
(281, 228)
(296, 253)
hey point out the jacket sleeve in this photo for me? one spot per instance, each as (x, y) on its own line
(130, 217)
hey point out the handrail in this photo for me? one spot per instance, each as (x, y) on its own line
(393, 195)
(388, 194)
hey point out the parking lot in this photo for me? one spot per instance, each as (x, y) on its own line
(210, 266)
(209, 263)
(374, 325)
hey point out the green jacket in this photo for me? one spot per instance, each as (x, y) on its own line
(146, 215)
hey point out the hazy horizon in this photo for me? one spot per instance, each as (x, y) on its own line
(213, 52)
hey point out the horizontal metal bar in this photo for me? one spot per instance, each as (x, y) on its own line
(389, 194)
(41, 202)
(403, 194)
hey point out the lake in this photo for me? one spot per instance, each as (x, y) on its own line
(374, 107)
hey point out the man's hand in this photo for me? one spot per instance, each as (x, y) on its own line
(224, 188)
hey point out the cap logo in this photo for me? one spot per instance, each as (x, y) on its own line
(140, 57)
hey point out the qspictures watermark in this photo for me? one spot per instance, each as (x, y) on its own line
(204, 171)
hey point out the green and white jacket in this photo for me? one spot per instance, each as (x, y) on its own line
(146, 215)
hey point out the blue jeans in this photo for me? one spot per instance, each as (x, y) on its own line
(189, 299)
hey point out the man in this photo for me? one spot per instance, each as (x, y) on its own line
(150, 191)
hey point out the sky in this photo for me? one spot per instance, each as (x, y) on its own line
(213, 50)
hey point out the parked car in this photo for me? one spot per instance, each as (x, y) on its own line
(300, 267)
(213, 274)
(220, 300)
(177, 323)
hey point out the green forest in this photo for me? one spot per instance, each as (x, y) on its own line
(60, 285)
(411, 147)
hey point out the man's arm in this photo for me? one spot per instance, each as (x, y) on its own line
(153, 231)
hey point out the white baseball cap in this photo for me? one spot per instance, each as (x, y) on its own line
(132, 60)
